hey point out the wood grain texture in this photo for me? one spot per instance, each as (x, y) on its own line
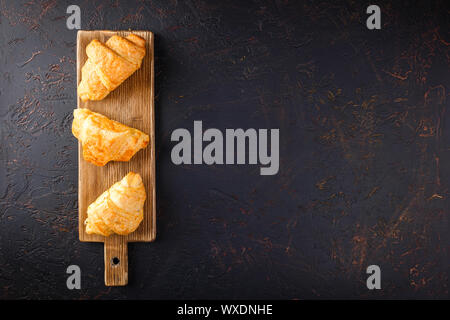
(132, 104)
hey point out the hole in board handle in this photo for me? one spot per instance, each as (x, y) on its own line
(115, 261)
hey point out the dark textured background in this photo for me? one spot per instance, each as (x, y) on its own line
(364, 150)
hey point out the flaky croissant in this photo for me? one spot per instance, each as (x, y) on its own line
(105, 140)
(109, 64)
(120, 209)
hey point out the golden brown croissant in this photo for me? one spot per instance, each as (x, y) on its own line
(120, 209)
(105, 140)
(109, 64)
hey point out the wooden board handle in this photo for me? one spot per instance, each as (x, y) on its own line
(116, 261)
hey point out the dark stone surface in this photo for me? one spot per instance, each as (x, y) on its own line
(364, 150)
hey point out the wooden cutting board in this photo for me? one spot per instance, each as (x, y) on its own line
(132, 103)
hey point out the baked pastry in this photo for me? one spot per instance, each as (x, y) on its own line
(105, 140)
(120, 209)
(109, 64)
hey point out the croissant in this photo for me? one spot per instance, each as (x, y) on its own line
(105, 140)
(120, 209)
(109, 64)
